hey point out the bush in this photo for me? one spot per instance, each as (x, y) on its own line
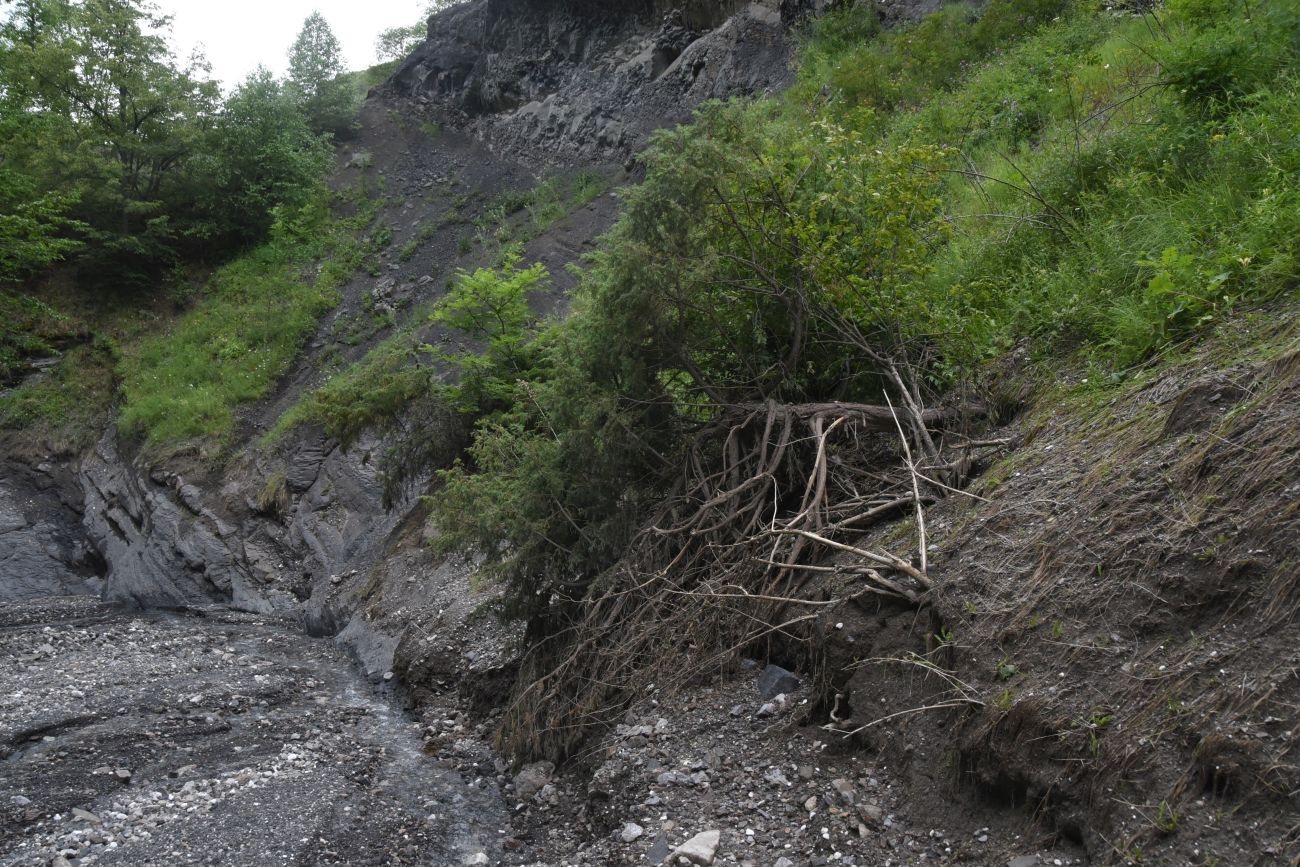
(1229, 49)
(902, 67)
(791, 250)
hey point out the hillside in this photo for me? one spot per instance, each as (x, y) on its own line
(837, 433)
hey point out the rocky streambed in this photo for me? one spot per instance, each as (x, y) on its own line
(218, 737)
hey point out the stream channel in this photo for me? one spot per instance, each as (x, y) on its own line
(215, 737)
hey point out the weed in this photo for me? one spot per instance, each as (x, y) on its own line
(274, 498)
(1098, 722)
(68, 408)
(1166, 818)
(587, 185)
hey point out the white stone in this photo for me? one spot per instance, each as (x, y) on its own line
(700, 849)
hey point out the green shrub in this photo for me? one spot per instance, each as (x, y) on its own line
(1029, 173)
(368, 395)
(902, 67)
(1229, 49)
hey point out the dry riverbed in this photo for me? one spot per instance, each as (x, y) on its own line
(216, 737)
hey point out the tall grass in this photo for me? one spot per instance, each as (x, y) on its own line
(1118, 181)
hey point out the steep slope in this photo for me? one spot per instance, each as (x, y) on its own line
(583, 80)
(447, 151)
(1102, 671)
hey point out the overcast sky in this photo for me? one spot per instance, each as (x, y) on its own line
(239, 34)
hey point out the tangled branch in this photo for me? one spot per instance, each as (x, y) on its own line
(769, 496)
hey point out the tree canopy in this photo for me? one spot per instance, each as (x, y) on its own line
(316, 73)
(114, 151)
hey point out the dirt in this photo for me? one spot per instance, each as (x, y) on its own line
(1116, 611)
(1106, 672)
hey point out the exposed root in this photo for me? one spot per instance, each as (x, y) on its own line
(769, 495)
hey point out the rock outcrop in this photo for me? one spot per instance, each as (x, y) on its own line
(259, 541)
(577, 80)
(43, 551)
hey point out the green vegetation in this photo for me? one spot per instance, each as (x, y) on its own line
(129, 163)
(365, 396)
(131, 167)
(1099, 184)
(490, 335)
(316, 75)
(267, 160)
(67, 409)
(541, 206)
(487, 342)
(258, 311)
(28, 327)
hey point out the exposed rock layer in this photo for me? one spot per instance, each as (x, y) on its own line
(580, 79)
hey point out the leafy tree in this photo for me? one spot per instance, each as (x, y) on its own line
(260, 155)
(316, 73)
(491, 337)
(98, 110)
(395, 43)
(32, 227)
(29, 20)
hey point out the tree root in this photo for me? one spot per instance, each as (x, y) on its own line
(769, 496)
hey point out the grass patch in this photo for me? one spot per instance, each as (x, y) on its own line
(361, 396)
(29, 327)
(68, 409)
(1114, 187)
(426, 233)
(255, 315)
(518, 216)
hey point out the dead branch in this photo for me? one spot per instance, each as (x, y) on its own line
(768, 499)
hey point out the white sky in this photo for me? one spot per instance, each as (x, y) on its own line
(237, 35)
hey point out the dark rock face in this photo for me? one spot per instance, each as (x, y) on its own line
(579, 79)
(164, 546)
(170, 542)
(42, 551)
